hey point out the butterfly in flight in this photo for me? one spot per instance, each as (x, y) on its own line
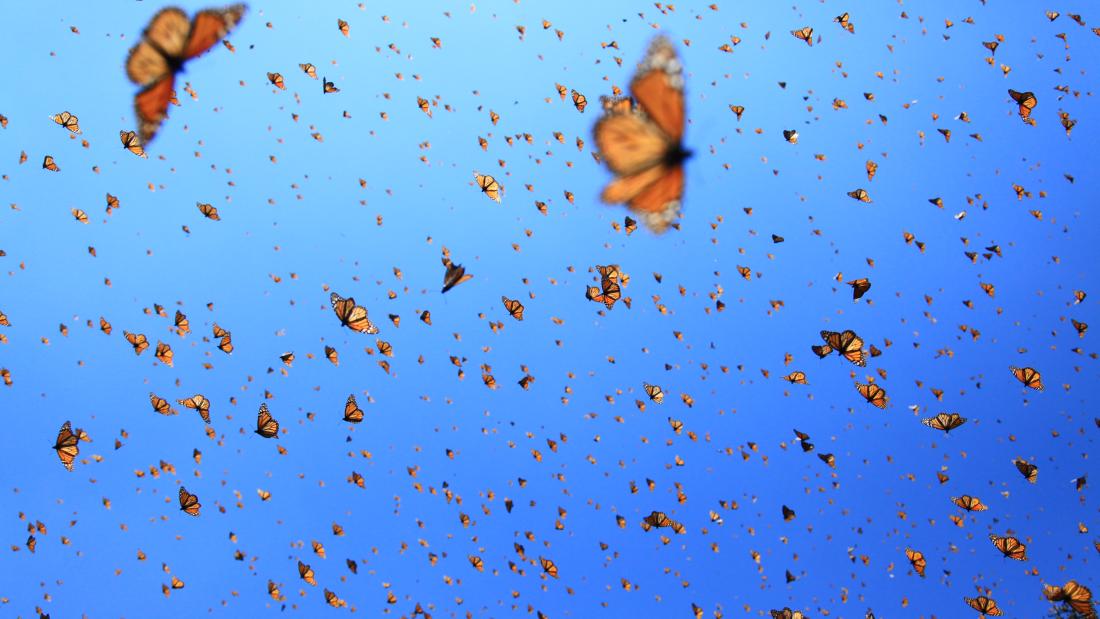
(169, 41)
(640, 139)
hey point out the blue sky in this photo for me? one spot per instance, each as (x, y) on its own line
(291, 204)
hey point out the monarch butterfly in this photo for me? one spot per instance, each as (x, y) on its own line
(305, 572)
(796, 378)
(66, 445)
(266, 425)
(828, 459)
(660, 520)
(112, 203)
(80, 215)
(137, 340)
(917, 560)
(308, 69)
(4, 320)
(352, 412)
(610, 294)
(969, 503)
(1010, 547)
(676, 425)
(847, 344)
(562, 90)
(654, 392)
(351, 315)
(183, 326)
(226, 343)
(822, 351)
(859, 287)
(160, 405)
(1078, 596)
(454, 275)
(871, 168)
(489, 186)
(629, 224)
(343, 27)
(177, 583)
(874, 394)
(333, 600)
(548, 567)
(164, 353)
(68, 121)
(514, 307)
(332, 356)
(208, 211)
(169, 41)
(385, 348)
(944, 421)
(738, 110)
(579, 101)
(790, 135)
(804, 34)
(276, 80)
(489, 380)
(1080, 327)
(860, 194)
(641, 139)
(1026, 101)
(788, 514)
(328, 87)
(984, 605)
(787, 613)
(424, 106)
(493, 117)
(189, 503)
(49, 164)
(1028, 470)
(132, 143)
(476, 562)
(1030, 377)
(844, 23)
(199, 403)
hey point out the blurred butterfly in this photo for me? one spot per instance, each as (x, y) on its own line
(68, 121)
(654, 392)
(137, 340)
(164, 353)
(859, 287)
(160, 405)
(640, 138)
(169, 41)
(308, 69)
(351, 315)
(328, 87)
(1026, 101)
(208, 211)
(226, 342)
(579, 101)
(198, 403)
(917, 560)
(189, 503)
(454, 275)
(804, 34)
(969, 503)
(844, 23)
(1028, 470)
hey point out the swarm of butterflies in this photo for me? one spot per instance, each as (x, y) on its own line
(639, 138)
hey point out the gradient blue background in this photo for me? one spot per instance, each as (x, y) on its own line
(308, 215)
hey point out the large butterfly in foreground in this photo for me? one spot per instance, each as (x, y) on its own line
(170, 40)
(640, 139)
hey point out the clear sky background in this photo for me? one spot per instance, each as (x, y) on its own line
(297, 223)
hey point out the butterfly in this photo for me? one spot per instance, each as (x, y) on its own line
(654, 392)
(333, 600)
(189, 503)
(68, 121)
(199, 403)
(1028, 470)
(305, 572)
(847, 344)
(514, 307)
(476, 562)
(844, 23)
(164, 353)
(917, 560)
(308, 69)
(208, 211)
(132, 143)
(609, 295)
(169, 41)
(66, 445)
(804, 34)
(874, 394)
(944, 421)
(266, 426)
(351, 315)
(1030, 377)
(548, 567)
(984, 605)
(276, 80)
(328, 87)
(640, 138)
(424, 106)
(352, 412)
(454, 275)
(969, 503)
(859, 287)
(796, 378)
(1026, 101)
(1078, 596)
(137, 340)
(80, 215)
(787, 613)
(660, 520)
(579, 101)
(160, 405)
(1010, 547)
(489, 186)
(226, 343)
(860, 194)
(49, 164)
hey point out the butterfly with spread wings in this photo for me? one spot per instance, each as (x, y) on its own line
(169, 41)
(351, 315)
(640, 139)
